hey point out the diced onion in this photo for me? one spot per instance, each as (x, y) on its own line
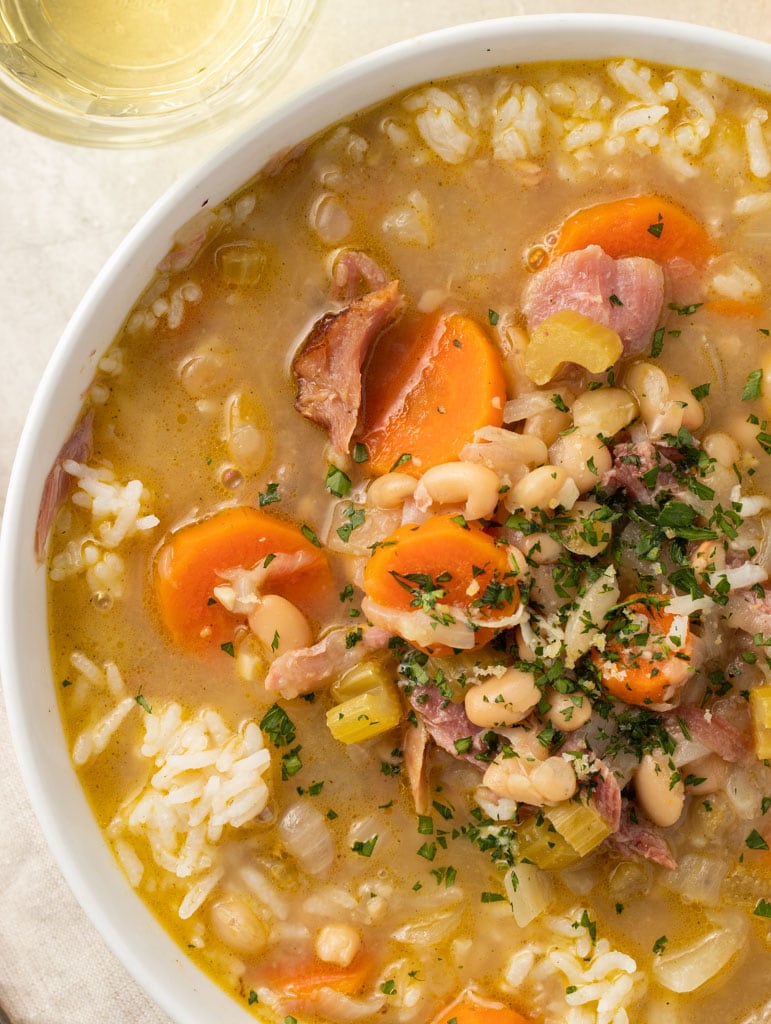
(529, 892)
(686, 968)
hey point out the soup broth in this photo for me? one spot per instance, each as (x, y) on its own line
(408, 601)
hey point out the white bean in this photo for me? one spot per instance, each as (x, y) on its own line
(280, 625)
(237, 925)
(650, 385)
(722, 448)
(693, 412)
(391, 490)
(541, 548)
(547, 425)
(583, 456)
(546, 487)
(660, 792)
(586, 535)
(555, 780)
(502, 701)
(337, 944)
(568, 711)
(605, 411)
(471, 484)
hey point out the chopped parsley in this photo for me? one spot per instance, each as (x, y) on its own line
(337, 482)
(277, 724)
(657, 345)
(657, 228)
(253, 997)
(269, 496)
(310, 535)
(755, 841)
(700, 392)
(228, 648)
(660, 945)
(492, 897)
(752, 386)
(142, 702)
(614, 300)
(763, 909)
(364, 848)
(493, 317)
(360, 453)
(404, 457)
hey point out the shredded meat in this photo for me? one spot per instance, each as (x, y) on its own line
(448, 723)
(584, 281)
(632, 462)
(606, 796)
(751, 611)
(328, 366)
(355, 273)
(58, 482)
(311, 668)
(636, 835)
(711, 729)
(415, 746)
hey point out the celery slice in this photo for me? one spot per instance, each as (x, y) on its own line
(366, 714)
(583, 827)
(362, 677)
(570, 337)
(760, 713)
(539, 843)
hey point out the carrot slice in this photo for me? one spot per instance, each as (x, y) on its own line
(441, 567)
(639, 226)
(305, 978)
(646, 658)
(427, 387)
(469, 1011)
(736, 308)
(191, 563)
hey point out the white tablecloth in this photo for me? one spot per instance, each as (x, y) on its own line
(62, 212)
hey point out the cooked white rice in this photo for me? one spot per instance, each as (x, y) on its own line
(203, 778)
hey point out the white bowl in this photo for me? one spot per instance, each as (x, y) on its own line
(134, 935)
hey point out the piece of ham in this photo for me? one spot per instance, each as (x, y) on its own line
(584, 281)
(355, 273)
(312, 668)
(636, 835)
(415, 748)
(448, 724)
(750, 610)
(632, 466)
(606, 795)
(710, 728)
(328, 366)
(57, 484)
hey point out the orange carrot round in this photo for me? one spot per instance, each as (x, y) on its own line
(193, 560)
(427, 388)
(469, 1011)
(303, 979)
(639, 226)
(442, 567)
(644, 660)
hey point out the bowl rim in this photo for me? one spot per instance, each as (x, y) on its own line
(155, 962)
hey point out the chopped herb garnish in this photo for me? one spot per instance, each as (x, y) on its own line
(310, 535)
(614, 300)
(274, 644)
(755, 841)
(493, 317)
(752, 386)
(660, 945)
(559, 403)
(765, 804)
(388, 987)
(427, 851)
(337, 482)
(365, 848)
(228, 648)
(404, 457)
(142, 702)
(701, 391)
(360, 453)
(492, 897)
(657, 344)
(269, 497)
(657, 228)
(277, 724)
(267, 560)
(291, 763)
(66, 682)
(253, 997)
(763, 909)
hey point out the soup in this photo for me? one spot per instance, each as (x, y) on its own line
(408, 564)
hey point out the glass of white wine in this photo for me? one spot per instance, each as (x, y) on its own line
(117, 72)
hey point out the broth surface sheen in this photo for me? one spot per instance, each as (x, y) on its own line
(383, 734)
